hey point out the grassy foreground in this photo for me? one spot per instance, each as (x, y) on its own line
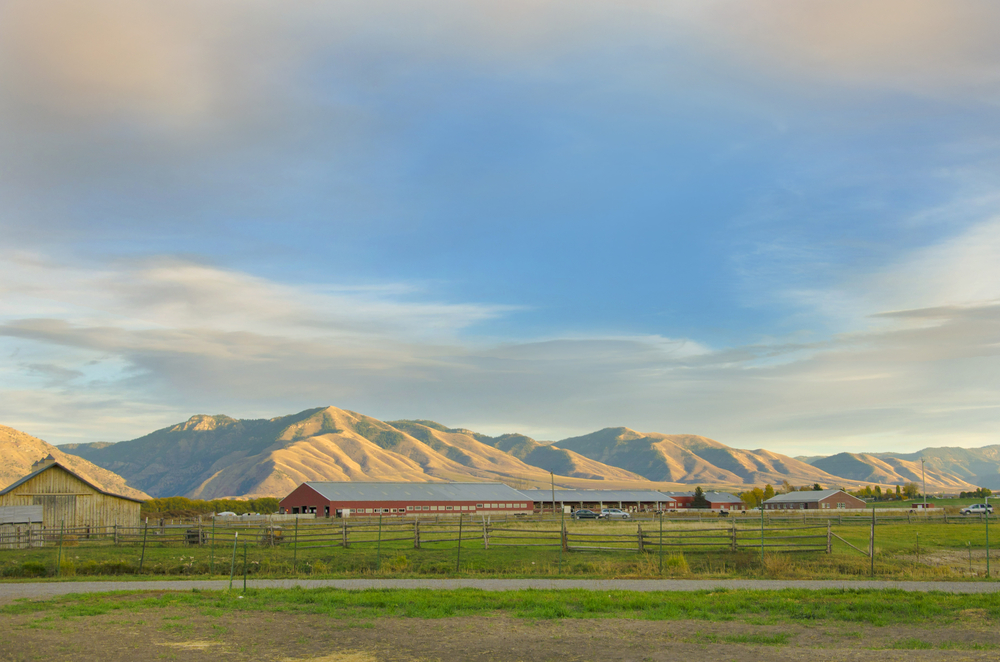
(879, 608)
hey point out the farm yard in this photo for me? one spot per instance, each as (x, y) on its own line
(906, 546)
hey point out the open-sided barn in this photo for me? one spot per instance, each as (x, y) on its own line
(633, 500)
(69, 500)
(346, 499)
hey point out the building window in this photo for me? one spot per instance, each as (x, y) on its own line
(840, 504)
(479, 505)
(427, 507)
(447, 507)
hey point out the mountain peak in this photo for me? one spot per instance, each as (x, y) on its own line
(203, 422)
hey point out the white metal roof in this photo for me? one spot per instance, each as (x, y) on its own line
(716, 497)
(611, 496)
(803, 497)
(352, 491)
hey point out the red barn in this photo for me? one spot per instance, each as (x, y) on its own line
(347, 499)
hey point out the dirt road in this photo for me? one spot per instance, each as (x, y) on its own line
(40, 590)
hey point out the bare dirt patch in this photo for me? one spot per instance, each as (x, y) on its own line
(193, 636)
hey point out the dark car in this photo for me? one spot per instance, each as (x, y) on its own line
(583, 513)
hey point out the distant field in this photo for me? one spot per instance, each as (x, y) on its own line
(937, 503)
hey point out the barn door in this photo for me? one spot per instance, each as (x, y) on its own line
(56, 509)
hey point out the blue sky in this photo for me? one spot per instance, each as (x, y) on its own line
(771, 223)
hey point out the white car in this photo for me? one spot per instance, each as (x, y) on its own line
(977, 508)
(613, 513)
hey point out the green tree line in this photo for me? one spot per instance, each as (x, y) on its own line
(177, 507)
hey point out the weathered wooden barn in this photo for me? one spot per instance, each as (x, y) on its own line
(347, 499)
(69, 500)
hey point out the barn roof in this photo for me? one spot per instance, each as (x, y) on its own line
(352, 491)
(637, 496)
(72, 473)
(803, 497)
(715, 497)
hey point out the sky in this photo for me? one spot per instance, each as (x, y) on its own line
(773, 223)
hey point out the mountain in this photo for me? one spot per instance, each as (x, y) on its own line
(18, 451)
(217, 456)
(955, 469)
(685, 458)
(549, 458)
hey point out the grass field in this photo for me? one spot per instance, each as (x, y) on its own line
(880, 608)
(330, 625)
(920, 549)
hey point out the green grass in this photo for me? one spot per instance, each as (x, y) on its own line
(897, 545)
(877, 608)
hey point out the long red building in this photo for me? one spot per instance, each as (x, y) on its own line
(349, 499)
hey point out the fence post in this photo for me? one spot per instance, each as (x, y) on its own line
(458, 559)
(244, 565)
(295, 548)
(661, 542)
(565, 538)
(416, 535)
(762, 534)
(116, 533)
(232, 564)
(829, 538)
(59, 557)
(562, 532)
(345, 545)
(142, 558)
(734, 536)
(871, 544)
(486, 539)
(639, 534)
(212, 568)
(378, 547)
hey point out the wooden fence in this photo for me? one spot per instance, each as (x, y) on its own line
(485, 533)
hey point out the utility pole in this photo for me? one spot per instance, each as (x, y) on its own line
(553, 477)
(923, 477)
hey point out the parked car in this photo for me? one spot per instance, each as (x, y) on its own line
(583, 513)
(977, 508)
(227, 513)
(613, 513)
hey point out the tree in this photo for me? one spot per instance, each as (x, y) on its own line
(753, 498)
(786, 487)
(768, 492)
(898, 495)
(699, 499)
(817, 487)
(911, 490)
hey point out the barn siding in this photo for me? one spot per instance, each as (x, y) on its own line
(68, 500)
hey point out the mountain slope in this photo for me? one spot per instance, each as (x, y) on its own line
(18, 451)
(216, 456)
(556, 460)
(955, 469)
(692, 459)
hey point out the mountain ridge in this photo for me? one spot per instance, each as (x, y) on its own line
(219, 456)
